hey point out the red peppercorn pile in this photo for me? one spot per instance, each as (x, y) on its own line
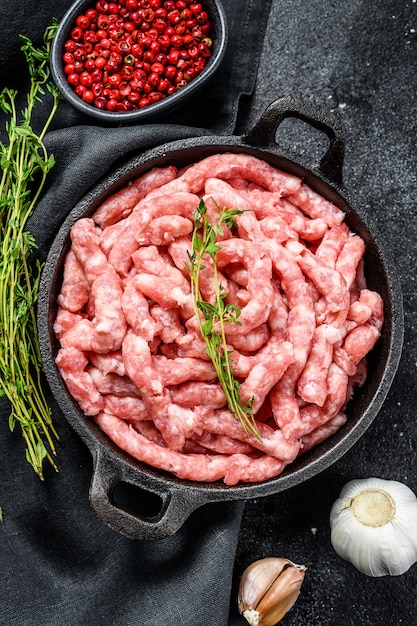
(126, 55)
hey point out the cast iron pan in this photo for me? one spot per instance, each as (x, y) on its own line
(148, 504)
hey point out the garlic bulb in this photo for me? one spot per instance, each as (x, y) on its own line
(374, 526)
(268, 589)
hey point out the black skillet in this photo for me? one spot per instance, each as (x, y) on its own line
(144, 503)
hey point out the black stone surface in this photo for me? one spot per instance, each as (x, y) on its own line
(360, 59)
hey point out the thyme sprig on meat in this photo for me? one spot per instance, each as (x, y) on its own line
(213, 317)
(25, 165)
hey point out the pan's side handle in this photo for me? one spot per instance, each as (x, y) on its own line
(176, 504)
(263, 132)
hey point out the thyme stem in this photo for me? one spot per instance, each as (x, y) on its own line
(212, 318)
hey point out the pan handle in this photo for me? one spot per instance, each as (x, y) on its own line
(264, 131)
(177, 505)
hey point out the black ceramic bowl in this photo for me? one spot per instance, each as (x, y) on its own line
(176, 498)
(219, 35)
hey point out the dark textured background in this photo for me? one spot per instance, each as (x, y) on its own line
(359, 59)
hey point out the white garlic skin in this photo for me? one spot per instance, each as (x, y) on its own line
(389, 548)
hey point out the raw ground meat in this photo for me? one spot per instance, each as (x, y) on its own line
(131, 352)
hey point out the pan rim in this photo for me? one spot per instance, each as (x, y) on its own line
(318, 459)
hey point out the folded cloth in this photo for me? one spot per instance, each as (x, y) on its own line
(59, 563)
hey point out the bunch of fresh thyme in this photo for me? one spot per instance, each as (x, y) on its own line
(25, 165)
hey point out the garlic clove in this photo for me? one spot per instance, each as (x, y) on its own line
(374, 526)
(259, 576)
(268, 589)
